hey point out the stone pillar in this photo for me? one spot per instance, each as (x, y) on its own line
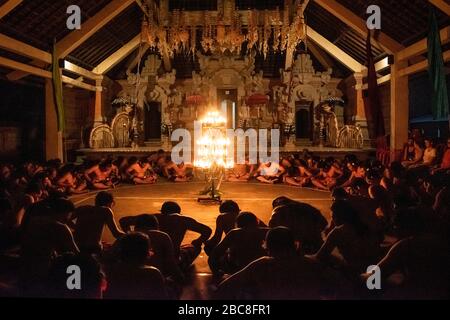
(98, 108)
(53, 137)
(399, 109)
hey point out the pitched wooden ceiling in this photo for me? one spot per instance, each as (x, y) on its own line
(41, 22)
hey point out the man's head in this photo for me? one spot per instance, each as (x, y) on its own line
(170, 207)
(428, 142)
(280, 242)
(281, 201)
(134, 248)
(229, 206)
(105, 165)
(104, 199)
(61, 209)
(246, 220)
(34, 189)
(145, 222)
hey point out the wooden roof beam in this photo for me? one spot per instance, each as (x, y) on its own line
(335, 51)
(74, 39)
(359, 25)
(9, 6)
(321, 56)
(42, 73)
(118, 56)
(421, 46)
(421, 66)
(24, 49)
(441, 5)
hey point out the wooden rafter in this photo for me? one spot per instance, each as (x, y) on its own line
(323, 59)
(24, 49)
(421, 46)
(441, 5)
(335, 51)
(118, 56)
(9, 6)
(421, 66)
(28, 69)
(16, 75)
(74, 39)
(359, 25)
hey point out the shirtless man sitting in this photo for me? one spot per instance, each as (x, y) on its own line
(240, 246)
(301, 175)
(141, 172)
(99, 176)
(270, 172)
(91, 220)
(240, 172)
(281, 275)
(178, 172)
(69, 181)
(176, 225)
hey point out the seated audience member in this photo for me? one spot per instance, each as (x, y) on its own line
(385, 206)
(225, 222)
(159, 162)
(33, 194)
(365, 208)
(429, 155)
(240, 246)
(132, 278)
(409, 151)
(441, 205)
(306, 222)
(44, 236)
(327, 177)
(181, 172)
(91, 220)
(357, 246)
(9, 235)
(70, 182)
(418, 155)
(163, 253)
(281, 275)
(241, 172)
(300, 176)
(176, 225)
(421, 257)
(445, 163)
(99, 176)
(357, 172)
(92, 280)
(270, 172)
(141, 171)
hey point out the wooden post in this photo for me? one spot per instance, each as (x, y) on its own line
(53, 137)
(98, 108)
(360, 117)
(399, 109)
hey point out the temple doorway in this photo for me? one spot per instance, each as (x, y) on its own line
(304, 120)
(152, 120)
